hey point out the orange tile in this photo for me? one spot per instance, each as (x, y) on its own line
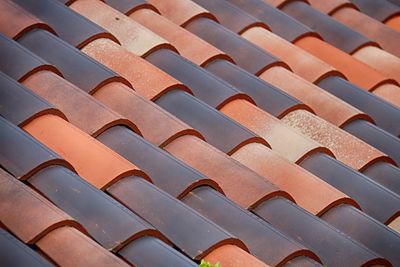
(232, 256)
(390, 93)
(357, 72)
(93, 161)
(329, 7)
(394, 23)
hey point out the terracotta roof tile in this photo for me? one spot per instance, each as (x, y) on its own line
(381, 11)
(308, 231)
(107, 221)
(233, 199)
(76, 29)
(26, 213)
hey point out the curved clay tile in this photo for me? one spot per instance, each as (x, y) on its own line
(228, 14)
(22, 155)
(167, 173)
(380, 10)
(81, 109)
(93, 161)
(244, 53)
(376, 137)
(75, 70)
(312, 194)
(147, 79)
(384, 174)
(282, 138)
(279, 22)
(266, 96)
(394, 23)
(15, 253)
(157, 125)
(383, 35)
(131, 34)
(389, 92)
(381, 61)
(363, 229)
(181, 12)
(76, 29)
(141, 253)
(188, 44)
(332, 31)
(302, 261)
(369, 195)
(330, 7)
(15, 21)
(65, 246)
(29, 63)
(302, 63)
(188, 230)
(324, 104)
(26, 213)
(239, 183)
(106, 221)
(347, 148)
(218, 129)
(263, 241)
(204, 85)
(395, 225)
(334, 249)
(19, 105)
(129, 6)
(229, 255)
(383, 113)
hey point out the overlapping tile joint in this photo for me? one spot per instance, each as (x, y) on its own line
(164, 132)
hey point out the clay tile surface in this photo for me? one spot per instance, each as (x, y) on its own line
(381, 11)
(26, 213)
(199, 51)
(30, 63)
(105, 220)
(334, 32)
(130, 34)
(55, 51)
(186, 228)
(15, 21)
(15, 253)
(188, 11)
(65, 246)
(22, 155)
(68, 25)
(152, 133)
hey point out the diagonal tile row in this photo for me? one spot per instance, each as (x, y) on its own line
(188, 91)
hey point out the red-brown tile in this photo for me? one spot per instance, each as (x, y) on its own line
(26, 213)
(239, 183)
(15, 21)
(330, 7)
(80, 108)
(129, 6)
